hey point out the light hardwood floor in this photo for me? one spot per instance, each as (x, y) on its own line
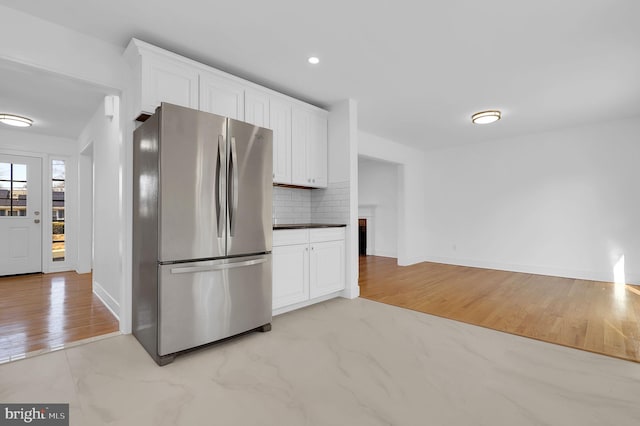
(590, 315)
(45, 311)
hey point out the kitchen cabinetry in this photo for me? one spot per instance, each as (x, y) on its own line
(256, 108)
(290, 257)
(308, 148)
(161, 78)
(219, 95)
(326, 267)
(299, 129)
(280, 123)
(308, 265)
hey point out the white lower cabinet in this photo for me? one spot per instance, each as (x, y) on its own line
(290, 275)
(326, 268)
(307, 265)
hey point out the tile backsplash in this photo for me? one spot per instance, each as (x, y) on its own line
(291, 205)
(331, 205)
(299, 205)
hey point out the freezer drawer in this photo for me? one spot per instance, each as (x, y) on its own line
(201, 302)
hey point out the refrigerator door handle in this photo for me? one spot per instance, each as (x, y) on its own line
(220, 267)
(220, 185)
(233, 186)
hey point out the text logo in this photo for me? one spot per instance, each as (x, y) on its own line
(34, 414)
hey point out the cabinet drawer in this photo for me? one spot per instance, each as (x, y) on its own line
(285, 237)
(326, 234)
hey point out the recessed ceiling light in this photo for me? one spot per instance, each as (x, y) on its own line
(486, 117)
(314, 60)
(15, 120)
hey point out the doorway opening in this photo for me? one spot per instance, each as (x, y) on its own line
(41, 186)
(362, 237)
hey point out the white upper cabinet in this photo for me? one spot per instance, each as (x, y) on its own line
(299, 129)
(280, 123)
(317, 151)
(256, 108)
(309, 147)
(166, 80)
(222, 96)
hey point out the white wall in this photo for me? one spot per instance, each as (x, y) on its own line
(377, 189)
(58, 49)
(561, 203)
(27, 142)
(343, 184)
(103, 134)
(411, 201)
(54, 48)
(85, 209)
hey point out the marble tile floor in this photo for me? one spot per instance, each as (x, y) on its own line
(342, 362)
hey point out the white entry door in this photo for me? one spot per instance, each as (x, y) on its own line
(20, 214)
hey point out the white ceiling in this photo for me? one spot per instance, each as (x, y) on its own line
(58, 105)
(418, 69)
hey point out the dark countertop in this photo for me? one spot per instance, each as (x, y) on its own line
(307, 225)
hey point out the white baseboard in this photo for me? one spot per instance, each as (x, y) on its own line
(410, 260)
(295, 306)
(106, 299)
(632, 279)
(385, 253)
(351, 292)
(59, 268)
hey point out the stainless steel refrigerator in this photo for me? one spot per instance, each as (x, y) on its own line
(202, 230)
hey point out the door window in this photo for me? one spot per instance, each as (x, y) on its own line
(13, 189)
(58, 173)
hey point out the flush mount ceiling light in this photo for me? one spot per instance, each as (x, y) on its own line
(313, 60)
(15, 120)
(486, 117)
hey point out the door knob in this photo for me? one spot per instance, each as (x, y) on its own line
(36, 221)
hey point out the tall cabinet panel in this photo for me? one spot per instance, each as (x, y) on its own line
(317, 151)
(309, 148)
(300, 128)
(221, 96)
(167, 80)
(280, 123)
(256, 108)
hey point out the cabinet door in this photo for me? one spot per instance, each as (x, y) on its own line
(221, 96)
(290, 275)
(280, 123)
(308, 148)
(317, 151)
(256, 108)
(300, 129)
(167, 80)
(326, 268)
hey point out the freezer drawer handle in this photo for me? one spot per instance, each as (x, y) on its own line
(191, 269)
